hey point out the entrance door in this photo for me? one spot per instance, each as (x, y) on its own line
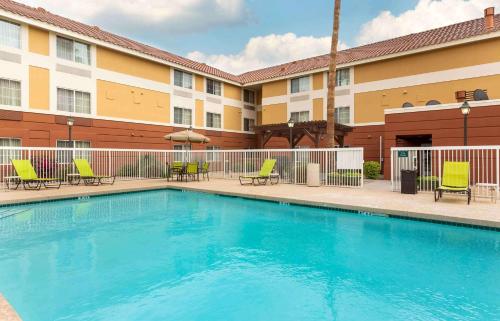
(422, 160)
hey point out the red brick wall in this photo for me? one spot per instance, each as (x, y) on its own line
(445, 126)
(39, 130)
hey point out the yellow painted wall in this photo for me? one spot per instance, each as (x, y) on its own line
(275, 88)
(130, 65)
(232, 118)
(454, 57)
(122, 101)
(370, 106)
(274, 114)
(38, 41)
(199, 83)
(259, 118)
(318, 109)
(232, 92)
(318, 81)
(39, 88)
(199, 113)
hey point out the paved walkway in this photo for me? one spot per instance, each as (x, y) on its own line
(374, 197)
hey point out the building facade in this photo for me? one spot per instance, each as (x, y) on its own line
(125, 94)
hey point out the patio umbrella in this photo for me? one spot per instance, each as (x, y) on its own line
(187, 136)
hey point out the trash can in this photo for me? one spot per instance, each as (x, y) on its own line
(313, 175)
(408, 181)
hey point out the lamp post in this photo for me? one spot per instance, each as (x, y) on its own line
(291, 123)
(70, 122)
(465, 109)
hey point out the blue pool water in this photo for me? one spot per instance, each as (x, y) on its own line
(171, 255)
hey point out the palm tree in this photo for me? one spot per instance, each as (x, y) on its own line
(332, 75)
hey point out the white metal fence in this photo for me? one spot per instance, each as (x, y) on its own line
(484, 161)
(338, 166)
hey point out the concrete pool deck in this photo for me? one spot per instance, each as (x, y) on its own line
(7, 313)
(374, 197)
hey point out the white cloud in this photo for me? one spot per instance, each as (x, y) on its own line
(157, 17)
(267, 51)
(427, 14)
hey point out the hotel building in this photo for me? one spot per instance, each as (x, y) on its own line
(124, 94)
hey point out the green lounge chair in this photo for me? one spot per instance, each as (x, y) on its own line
(263, 176)
(87, 174)
(455, 180)
(29, 178)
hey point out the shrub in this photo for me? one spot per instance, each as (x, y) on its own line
(345, 178)
(427, 183)
(372, 169)
(148, 166)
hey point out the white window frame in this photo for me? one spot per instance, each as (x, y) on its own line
(251, 124)
(338, 117)
(66, 157)
(250, 101)
(343, 75)
(183, 116)
(6, 156)
(178, 156)
(73, 50)
(300, 116)
(211, 121)
(216, 87)
(8, 41)
(12, 99)
(303, 84)
(186, 80)
(213, 156)
(73, 109)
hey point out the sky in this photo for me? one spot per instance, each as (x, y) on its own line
(243, 35)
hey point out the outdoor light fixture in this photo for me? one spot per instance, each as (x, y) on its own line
(70, 122)
(465, 109)
(291, 123)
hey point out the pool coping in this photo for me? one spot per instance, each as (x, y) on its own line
(359, 209)
(7, 312)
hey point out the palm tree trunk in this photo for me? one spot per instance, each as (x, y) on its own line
(332, 75)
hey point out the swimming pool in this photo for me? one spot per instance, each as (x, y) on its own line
(172, 255)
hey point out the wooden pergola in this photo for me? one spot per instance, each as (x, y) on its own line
(315, 130)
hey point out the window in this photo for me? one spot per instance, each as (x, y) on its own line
(214, 87)
(180, 155)
(182, 116)
(407, 105)
(183, 79)
(10, 34)
(213, 120)
(66, 156)
(433, 103)
(7, 155)
(248, 124)
(73, 101)
(300, 116)
(73, 50)
(10, 92)
(343, 115)
(249, 96)
(300, 84)
(343, 77)
(212, 155)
